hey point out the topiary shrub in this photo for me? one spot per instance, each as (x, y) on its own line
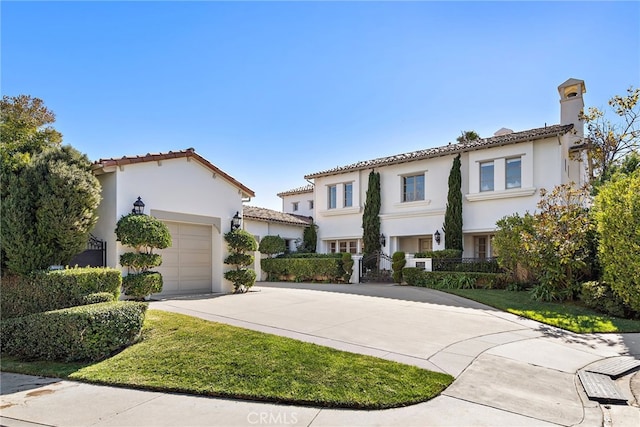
(272, 245)
(144, 233)
(347, 267)
(239, 242)
(398, 262)
(453, 280)
(320, 267)
(45, 291)
(85, 333)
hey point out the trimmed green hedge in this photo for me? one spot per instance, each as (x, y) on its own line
(140, 285)
(310, 255)
(600, 297)
(453, 280)
(89, 332)
(444, 253)
(46, 291)
(304, 269)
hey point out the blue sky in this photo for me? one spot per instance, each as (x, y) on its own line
(271, 91)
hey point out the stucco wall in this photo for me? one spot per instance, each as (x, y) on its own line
(175, 186)
(302, 199)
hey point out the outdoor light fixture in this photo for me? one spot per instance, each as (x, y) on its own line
(436, 236)
(236, 221)
(383, 240)
(138, 207)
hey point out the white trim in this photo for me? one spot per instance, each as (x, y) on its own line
(414, 204)
(419, 214)
(490, 195)
(341, 211)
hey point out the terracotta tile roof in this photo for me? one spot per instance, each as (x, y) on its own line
(299, 190)
(264, 214)
(495, 141)
(188, 153)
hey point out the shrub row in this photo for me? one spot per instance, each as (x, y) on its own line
(466, 265)
(600, 297)
(83, 333)
(444, 253)
(46, 291)
(304, 269)
(310, 255)
(453, 280)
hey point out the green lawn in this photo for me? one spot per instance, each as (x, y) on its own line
(569, 315)
(185, 354)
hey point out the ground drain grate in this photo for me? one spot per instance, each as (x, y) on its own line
(600, 388)
(615, 367)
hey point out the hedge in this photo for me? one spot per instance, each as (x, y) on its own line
(304, 269)
(84, 333)
(444, 253)
(46, 291)
(600, 297)
(453, 280)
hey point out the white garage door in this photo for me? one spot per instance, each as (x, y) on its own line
(186, 265)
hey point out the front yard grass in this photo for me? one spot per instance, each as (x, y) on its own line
(183, 354)
(567, 315)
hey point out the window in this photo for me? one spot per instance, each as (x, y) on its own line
(486, 176)
(514, 173)
(348, 195)
(412, 188)
(310, 204)
(295, 206)
(333, 196)
(350, 246)
(483, 246)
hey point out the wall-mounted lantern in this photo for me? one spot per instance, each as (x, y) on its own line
(383, 240)
(436, 236)
(236, 221)
(138, 207)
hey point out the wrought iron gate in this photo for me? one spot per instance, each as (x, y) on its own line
(94, 256)
(376, 267)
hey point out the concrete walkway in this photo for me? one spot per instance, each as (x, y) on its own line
(509, 371)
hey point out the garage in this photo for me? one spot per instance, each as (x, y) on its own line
(186, 265)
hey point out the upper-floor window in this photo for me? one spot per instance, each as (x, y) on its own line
(295, 206)
(348, 195)
(413, 188)
(486, 176)
(310, 204)
(333, 196)
(514, 173)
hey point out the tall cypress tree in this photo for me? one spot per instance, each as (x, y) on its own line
(370, 216)
(453, 215)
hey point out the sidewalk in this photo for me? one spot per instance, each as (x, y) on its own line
(509, 371)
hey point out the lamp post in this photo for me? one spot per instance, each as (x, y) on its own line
(236, 221)
(138, 207)
(436, 236)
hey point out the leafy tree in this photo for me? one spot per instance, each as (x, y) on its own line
(609, 142)
(371, 215)
(48, 210)
(309, 239)
(617, 212)
(453, 214)
(240, 242)
(513, 256)
(467, 136)
(347, 267)
(271, 245)
(398, 262)
(24, 132)
(560, 243)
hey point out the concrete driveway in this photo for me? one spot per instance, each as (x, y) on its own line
(509, 371)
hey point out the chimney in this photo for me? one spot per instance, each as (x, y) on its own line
(571, 104)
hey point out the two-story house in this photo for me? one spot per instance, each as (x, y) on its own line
(501, 175)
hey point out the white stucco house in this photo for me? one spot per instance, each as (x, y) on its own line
(193, 197)
(298, 201)
(263, 222)
(501, 175)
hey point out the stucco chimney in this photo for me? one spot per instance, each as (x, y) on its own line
(571, 104)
